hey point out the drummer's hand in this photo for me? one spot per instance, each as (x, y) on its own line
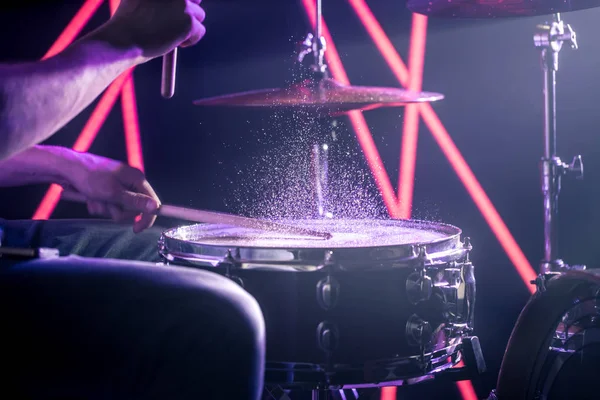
(156, 26)
(113, 189)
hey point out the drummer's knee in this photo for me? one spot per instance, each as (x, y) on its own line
(248, 319)
(239, 329)
(236, 315)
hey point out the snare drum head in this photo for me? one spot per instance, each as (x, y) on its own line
(352, 241)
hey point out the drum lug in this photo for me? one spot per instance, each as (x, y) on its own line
(230, 262)
(328, 261)
(467, 243)
(423, 257)
(328, 290)
(467, 246)
(230, 259)
(418, 287)
(327, 336)
(418, 331)
(414, 252)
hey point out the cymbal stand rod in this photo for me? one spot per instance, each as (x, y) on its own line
(549, 39)
(319, 150)
(318, 42)
(319, 24)
(320, 159)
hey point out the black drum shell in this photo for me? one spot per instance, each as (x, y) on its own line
(336, 318)
(370, 314)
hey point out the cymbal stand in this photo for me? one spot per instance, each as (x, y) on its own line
(549, 39)
(315, 44)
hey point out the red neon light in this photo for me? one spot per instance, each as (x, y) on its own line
(113, 5)
(123, 84)
(84, 141)
(408, 156)
(358, 121)
(479, 196)
(466, 390)
(75, 26)
(381, 40)
(454, 156)
(133, 141)
(410, 135)
(388, 393)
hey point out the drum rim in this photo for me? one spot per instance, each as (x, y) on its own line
(194, 252)
(451, 230)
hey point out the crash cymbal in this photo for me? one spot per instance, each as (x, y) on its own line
(326, 94)
(496, 8)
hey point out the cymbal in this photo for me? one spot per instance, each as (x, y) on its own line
(496, 8)
(325, 94)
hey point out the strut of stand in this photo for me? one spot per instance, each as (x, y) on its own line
(549, 39)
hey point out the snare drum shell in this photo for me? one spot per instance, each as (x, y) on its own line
(368, 317)
(397, 307)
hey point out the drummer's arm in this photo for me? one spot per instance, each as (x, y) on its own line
(37, 165)
(39, 98)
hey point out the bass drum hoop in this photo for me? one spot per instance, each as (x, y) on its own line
(529, 343)
(174, 248)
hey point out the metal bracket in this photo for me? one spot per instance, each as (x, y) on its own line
(551, 36)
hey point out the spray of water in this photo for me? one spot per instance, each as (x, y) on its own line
(279, 181)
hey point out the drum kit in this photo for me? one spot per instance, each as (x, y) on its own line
(390, 302)
(364, 304)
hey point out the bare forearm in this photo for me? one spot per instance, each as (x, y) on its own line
(37, 99)
(38, 164)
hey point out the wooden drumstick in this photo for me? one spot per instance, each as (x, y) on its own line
(169, 69)
(204, 216)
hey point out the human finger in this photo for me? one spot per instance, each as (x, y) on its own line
(197, 12)
(195, 1)
(135, 180)
(130, 177)
(146, 220)
(198, 31)
(97, 208)
(118, 214)
(137, 202)
(142, 197)
(146, 188)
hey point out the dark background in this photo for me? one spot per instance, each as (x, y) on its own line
(488, 70)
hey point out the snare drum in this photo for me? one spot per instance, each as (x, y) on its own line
(381, 301)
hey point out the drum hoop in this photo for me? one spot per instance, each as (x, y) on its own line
(529, 342)
(448, 247)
